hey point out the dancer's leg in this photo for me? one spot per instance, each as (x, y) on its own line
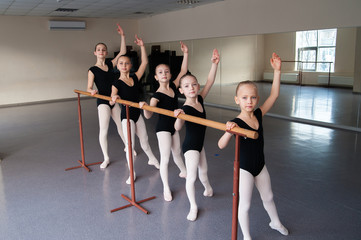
(141, 132)
(263, 184)
(192, 158)
(203, 174)
(246, 183)
(116, 118)
(104, 116)
(132, 137)
(176, 152)
(165, 142)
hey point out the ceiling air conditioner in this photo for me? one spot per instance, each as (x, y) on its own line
(66, 25)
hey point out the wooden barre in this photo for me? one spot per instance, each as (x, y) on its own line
(201, 121)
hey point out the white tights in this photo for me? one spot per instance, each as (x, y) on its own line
(169, 143)
(140, 130)
(196, 161)
(263, 184)
(104, 113)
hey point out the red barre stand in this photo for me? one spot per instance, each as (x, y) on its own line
(82, 163)
(235, 190)
(130, 152)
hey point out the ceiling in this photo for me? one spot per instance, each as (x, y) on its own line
(123, 9)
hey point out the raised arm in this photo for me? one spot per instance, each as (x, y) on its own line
(123, 48)
(184, 67)
(144, 57)
(276, 64)
(211, 75)
(91, 83)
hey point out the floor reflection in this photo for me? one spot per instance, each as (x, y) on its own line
(330, 105)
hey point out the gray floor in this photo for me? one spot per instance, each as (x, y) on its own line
(315, 174)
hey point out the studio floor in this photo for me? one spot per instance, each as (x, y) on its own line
(315, 173)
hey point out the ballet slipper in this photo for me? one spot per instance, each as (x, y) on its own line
(280, 229)
(183, 174)
(192, 215)
(134, 152)
(154, 162)
(208, 192)
(104, 164)
(128, 180)
(167, 196)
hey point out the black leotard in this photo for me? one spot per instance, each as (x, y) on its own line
(103, 81)
(166, 123)
(251, 154)
(195, 133)
(129, 93)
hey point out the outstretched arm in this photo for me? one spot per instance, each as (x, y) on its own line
(276, 64)
(224, 140)
(184, 67)
(153, 103)
(211, 75)
(91, 83)
(179, 122)
(123, 48)
(144, 57)
(114, 95)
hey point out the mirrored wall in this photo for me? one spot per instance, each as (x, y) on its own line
(319, 96)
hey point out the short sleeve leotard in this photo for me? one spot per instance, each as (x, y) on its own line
(166, 123)
(103, 81)
(195, 133)
(251, 153)
(129, 93)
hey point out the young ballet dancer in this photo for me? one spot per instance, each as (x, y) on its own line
(103, 76)
(253, 170)
(127, 88)
(192, 147)
(168, 139)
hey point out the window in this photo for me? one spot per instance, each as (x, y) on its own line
(316, 49)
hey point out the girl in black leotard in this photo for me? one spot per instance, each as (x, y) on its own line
(168, 139)
(193, 149)
(103, 76)
(252, 166)
(127, 88)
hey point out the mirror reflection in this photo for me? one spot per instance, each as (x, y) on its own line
(319, 84)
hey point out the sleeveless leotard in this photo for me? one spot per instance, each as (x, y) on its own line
(195, 133)
(129, 93)
(103, 81)
(251, 154)
(166, 123)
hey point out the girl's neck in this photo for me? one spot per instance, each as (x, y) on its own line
(246, 114)
(164, 85)
(191, 100)
(100, 61)
(124, 75)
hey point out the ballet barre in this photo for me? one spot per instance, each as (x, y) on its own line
(201, 121)
(239, 132)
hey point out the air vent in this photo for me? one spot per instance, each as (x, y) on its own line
(66, 10)
(187, 2)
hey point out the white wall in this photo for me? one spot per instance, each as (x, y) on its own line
(248, 17)
(37, 64)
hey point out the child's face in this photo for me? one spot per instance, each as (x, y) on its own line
(162, 73)
(189, 86)
(101, 51)
(247, 97)
(124, 64)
